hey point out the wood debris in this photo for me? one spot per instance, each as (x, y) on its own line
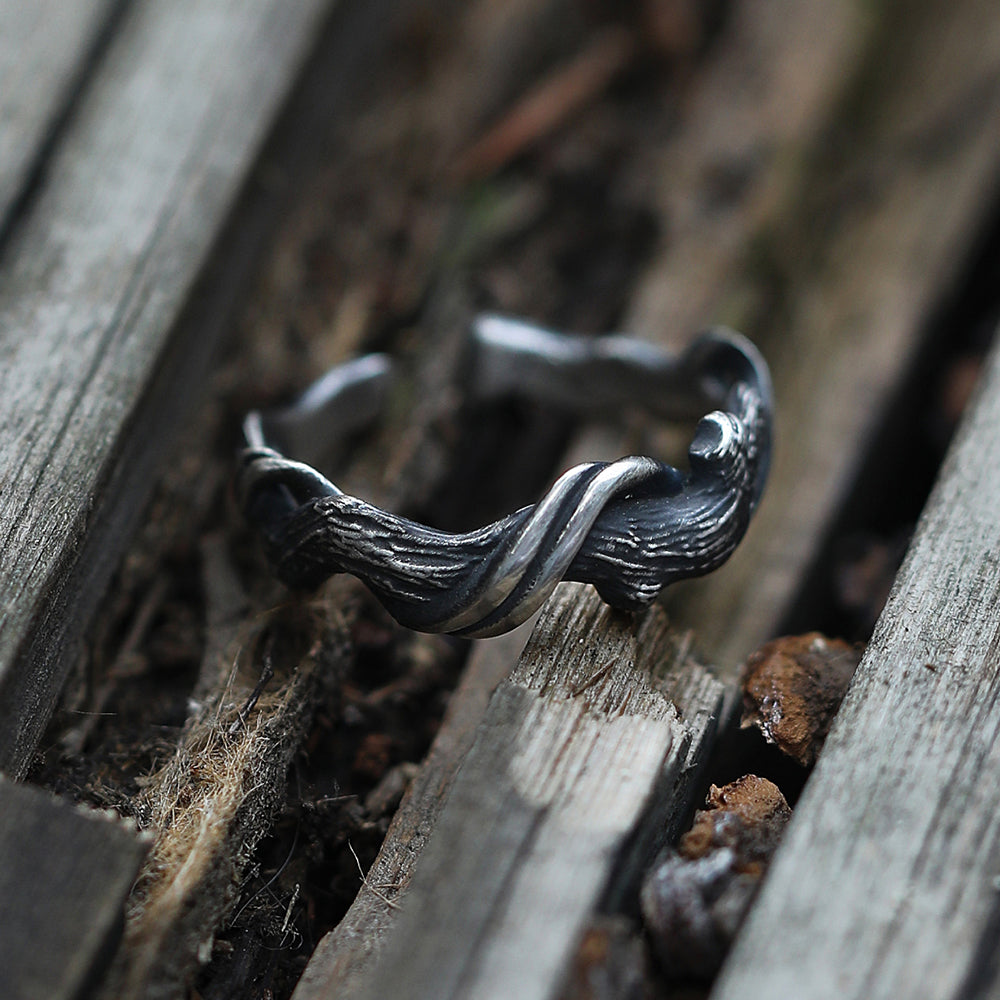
(551, 103)
(610, 964)
(792, 688)
(695, 898)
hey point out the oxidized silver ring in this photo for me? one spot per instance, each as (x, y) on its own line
(629, 527)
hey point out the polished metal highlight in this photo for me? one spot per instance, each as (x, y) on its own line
(629, 527)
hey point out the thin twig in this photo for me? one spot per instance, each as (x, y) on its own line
(266, 673)
(364, 880)
(592, 679)
(550, 103)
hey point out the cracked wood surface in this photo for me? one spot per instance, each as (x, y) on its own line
(885, 884)
(93, 372)
(584, 760)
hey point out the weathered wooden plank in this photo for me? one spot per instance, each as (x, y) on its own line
(597, 732)
(64, 876)
(46, 50)
(842, 312)
(728, 170)
(94, 281)
(886, 883)
(345, 958)
(344, 961)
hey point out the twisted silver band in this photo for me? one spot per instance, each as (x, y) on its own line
(629, 527)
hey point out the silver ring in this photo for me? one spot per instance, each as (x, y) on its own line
(629, 527)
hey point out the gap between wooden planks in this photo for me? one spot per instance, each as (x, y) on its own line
(886, 882)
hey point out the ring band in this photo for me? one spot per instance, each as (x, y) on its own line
(629, 527)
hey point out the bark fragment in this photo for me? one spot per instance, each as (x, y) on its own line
(792, 688)
(695, 898)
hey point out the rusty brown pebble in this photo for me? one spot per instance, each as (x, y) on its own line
(792, 688)
(695, 898)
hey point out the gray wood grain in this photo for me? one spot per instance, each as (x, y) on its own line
(840, 308)
(91, 292)
(886, 884)
(46, 51)
(578, 770)
(64, 876)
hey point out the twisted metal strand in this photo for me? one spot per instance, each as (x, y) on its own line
(629, 527)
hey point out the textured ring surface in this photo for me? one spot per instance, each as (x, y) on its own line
(629, 527)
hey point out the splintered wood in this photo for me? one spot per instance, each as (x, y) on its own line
(581, 767)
